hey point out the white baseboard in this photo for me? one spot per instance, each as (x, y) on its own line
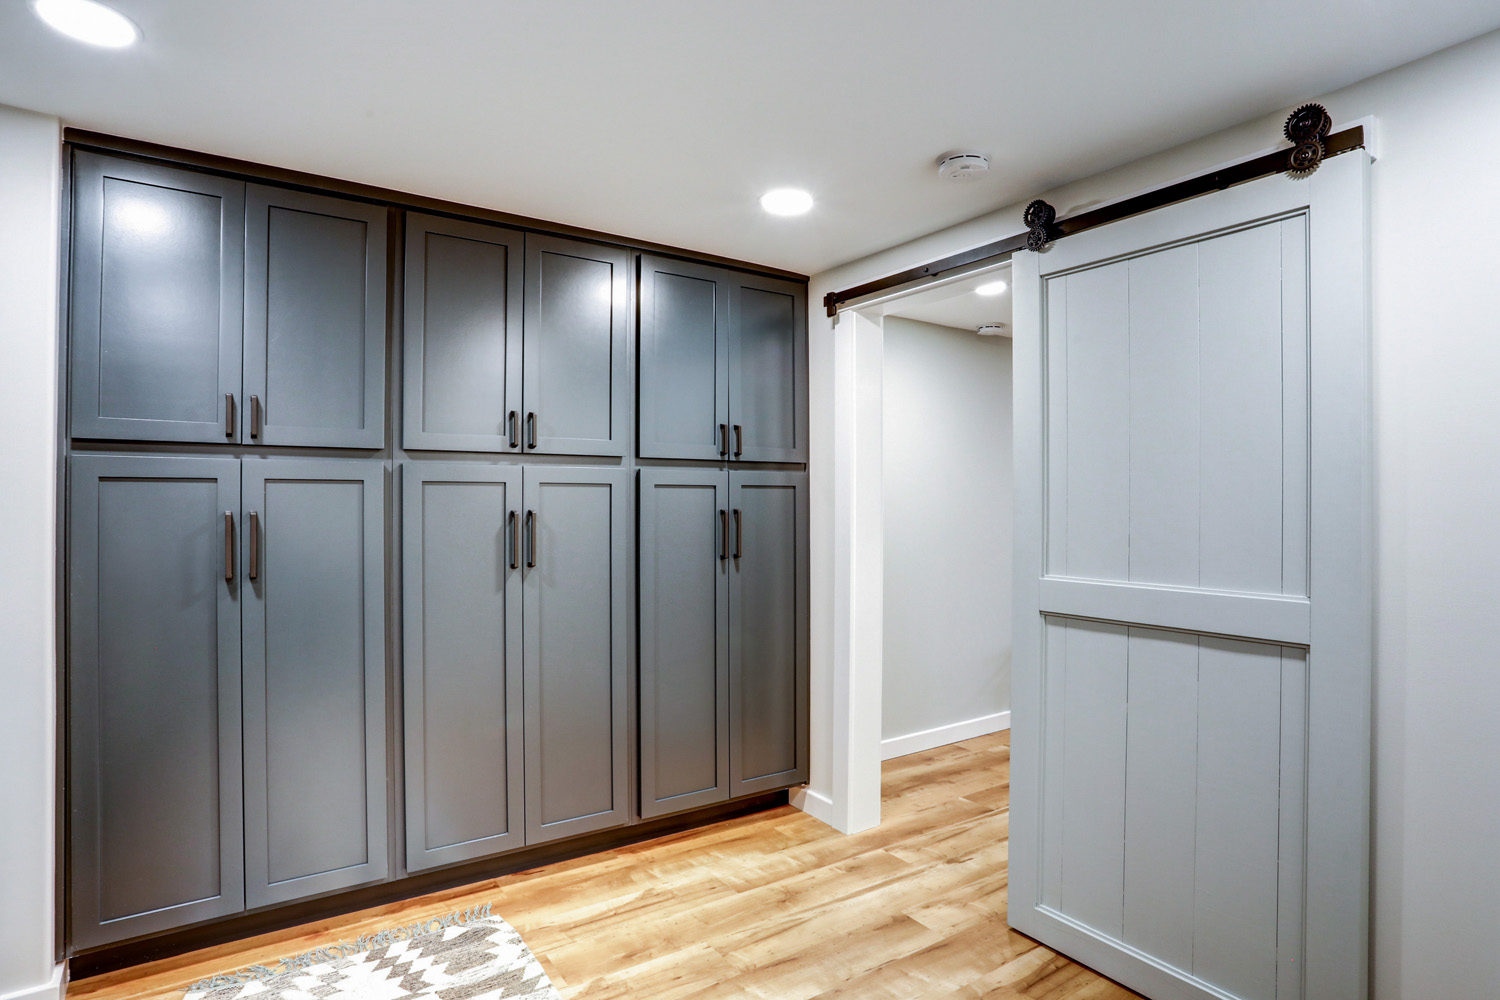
(815, 804)
(55, 988)
(900, 746)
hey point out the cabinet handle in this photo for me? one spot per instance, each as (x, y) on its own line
(531, 430)
(254, 545)
(724, 440)
(515, 540)
(510, 423)
(229, 546)
(739, 440)
(531, 539)
(739, 533)
(229, 414)
(255, 416)
(723, 535)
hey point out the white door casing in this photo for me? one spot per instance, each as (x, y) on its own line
(1193, 593)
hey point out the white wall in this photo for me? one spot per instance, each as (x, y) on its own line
(29, 179)
(947, 480)
(1436, 235)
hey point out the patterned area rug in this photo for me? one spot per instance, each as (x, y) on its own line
(469, 955)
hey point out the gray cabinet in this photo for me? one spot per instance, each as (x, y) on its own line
(461, 570)
(723, 364)
(315, 276)
(205, 311)
(724, 635)
(155, 302)
(685, 547)
(768, 631)
(575, 380)
(575, 551)
(154, 695)
(462, 385)
(314, 663)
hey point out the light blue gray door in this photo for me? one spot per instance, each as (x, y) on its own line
(154, 306)
(1191, 758)
(154, 694)
(684, 358)
(462, 340)
(314, 627)
(461, 569)
(768, 631)
(768, 369)
(575, 549)
(315, 277)
(685, 546)
(576, 332)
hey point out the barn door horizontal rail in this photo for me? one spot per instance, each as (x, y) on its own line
(1308, 128)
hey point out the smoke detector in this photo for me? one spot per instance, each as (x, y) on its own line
(963, 166)
(993, 330)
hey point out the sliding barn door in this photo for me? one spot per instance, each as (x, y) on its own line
(1191, 764)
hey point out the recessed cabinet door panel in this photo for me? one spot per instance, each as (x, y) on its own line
(462, 336)
(315, 320)
(684, 615)
(154, 677)
(315, 791)
(577, 388)
(462, 664)
(768, 644)
(768, 370)
(575, 551)
(684, 364)
(155, 302)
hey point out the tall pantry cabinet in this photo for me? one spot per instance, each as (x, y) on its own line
(312, 649)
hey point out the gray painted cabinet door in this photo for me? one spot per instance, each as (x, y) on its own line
(315, 320)
(768, 629)
(575, 549)
(154, 695)
(462, 336)
(461, 573)
(768, 369)
(154, 305)
(314, 660)
(684, 360)
(685, 547)
(576, 333)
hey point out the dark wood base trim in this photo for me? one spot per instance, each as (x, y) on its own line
(150, 949)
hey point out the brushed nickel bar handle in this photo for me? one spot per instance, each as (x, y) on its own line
(254, 545)
(515, 540)
(229, 414)
(739, 534)
(739, 440)
(510, 423)
(229, 546)
(531, 430)
(723, 535)
(531, 539)
(724, 440)
(255, 417)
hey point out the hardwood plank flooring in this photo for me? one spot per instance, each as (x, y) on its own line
(774, 906)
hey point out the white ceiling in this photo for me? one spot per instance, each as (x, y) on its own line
(666, 119)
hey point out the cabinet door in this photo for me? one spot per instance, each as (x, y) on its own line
(684, 639)
(462, 666)
(154, 307)
(768, 369)
(315, 791)
(575, 551)
(154, 678)
(768, 631)
(462, 336)
(577, 389)
(315, 320)
(684, 360)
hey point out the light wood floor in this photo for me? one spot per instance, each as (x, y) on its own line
(774, 906)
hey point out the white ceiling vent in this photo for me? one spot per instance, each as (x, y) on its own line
(963, 166)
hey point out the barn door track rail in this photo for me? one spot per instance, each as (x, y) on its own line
(1309, 129)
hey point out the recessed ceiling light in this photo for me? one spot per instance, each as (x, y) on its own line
(88, 21)
(990, 288)
(786, 201)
